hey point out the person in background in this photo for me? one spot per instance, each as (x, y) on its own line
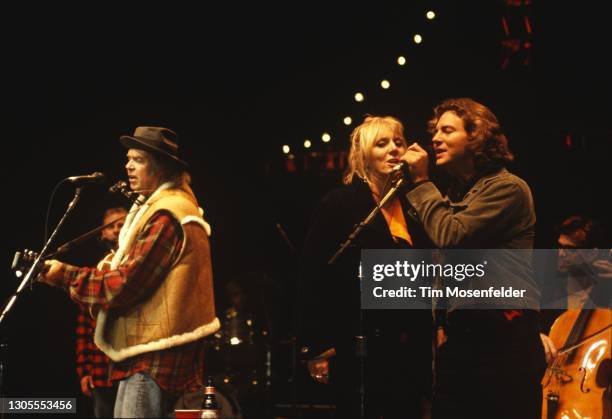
(585, 266)
(580, 243)
(92, 364)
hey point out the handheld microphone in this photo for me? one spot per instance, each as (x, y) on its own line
(399, 166)
(403, 164)
(97, 177)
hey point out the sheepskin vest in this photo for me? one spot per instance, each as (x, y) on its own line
(182, 308)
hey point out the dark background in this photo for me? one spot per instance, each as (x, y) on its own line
(238, 82)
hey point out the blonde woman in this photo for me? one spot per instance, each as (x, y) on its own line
(397, 364)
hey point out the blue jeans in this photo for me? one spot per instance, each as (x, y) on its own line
(140, 397)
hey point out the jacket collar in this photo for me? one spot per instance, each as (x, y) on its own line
(458, 190)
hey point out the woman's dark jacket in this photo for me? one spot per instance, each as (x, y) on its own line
(330, 295)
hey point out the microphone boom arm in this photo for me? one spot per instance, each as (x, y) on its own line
(86, 236)
(351, 238)
(120, 187)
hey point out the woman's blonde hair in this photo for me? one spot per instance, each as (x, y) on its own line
(363, 138)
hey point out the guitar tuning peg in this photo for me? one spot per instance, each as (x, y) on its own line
(16, 261)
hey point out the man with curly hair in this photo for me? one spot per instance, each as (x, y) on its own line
(487, 356)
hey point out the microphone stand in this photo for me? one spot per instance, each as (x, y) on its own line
(86, 236)
(294, 328)
(34, 269)
(120, 187)
(366, 221)
(91, 233)
(360, 339)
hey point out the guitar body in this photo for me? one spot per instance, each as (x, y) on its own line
(577, 384)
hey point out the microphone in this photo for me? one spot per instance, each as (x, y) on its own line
(403, 164)
(97, 177)
(123, 188)
(399, 166)
(119, 187)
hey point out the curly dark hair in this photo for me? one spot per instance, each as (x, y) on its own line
(490, 144)
(593, 233)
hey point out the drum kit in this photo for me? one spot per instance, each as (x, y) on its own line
(238, 357)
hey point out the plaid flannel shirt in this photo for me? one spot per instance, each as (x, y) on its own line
(90, 360)
(175, 369)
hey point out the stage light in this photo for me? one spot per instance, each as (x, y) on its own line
(385, 84)
(401, 60)
(359, 97)
(286, 149)
(430, 15)
(307, 144)
(418, 39)
(326, 137)
(235, 341)
(347, 120)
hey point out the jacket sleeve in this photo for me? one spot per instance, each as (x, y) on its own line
(145, 268)
(500, 203)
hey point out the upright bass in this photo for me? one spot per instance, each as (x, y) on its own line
(577, 384)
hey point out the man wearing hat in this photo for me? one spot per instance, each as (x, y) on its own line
(155, 301)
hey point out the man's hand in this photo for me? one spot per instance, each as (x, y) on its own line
(52, 273)
(440, 337)
(418, 163)
(549, 348)
(86, 385)
(603, 268)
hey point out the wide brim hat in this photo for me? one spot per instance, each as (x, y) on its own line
(157, 140)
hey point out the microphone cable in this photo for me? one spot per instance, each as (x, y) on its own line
(55, 188)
